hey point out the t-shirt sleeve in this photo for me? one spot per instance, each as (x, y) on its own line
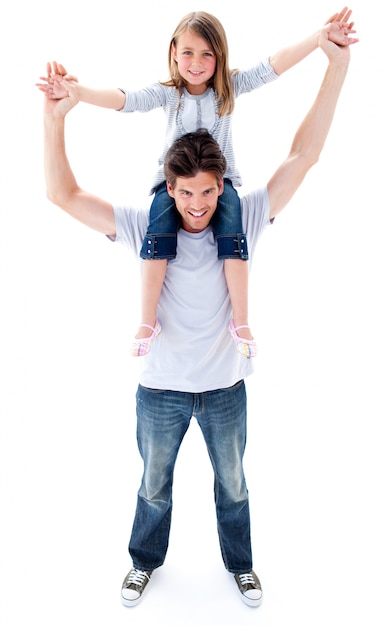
(255, 216)
(131, 225)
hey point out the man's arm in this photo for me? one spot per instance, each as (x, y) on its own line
(311, 135)
(61, 186)
(339, 32)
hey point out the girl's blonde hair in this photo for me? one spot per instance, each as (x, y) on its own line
(211, 30)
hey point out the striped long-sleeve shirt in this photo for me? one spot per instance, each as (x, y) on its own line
(197, 112)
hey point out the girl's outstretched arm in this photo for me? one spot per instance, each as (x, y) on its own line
(340, 32)
(53, 87)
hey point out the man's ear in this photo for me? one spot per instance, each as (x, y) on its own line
(170, 189)
(220, 187)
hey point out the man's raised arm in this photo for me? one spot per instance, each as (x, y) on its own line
(310, 138)
(61, 186)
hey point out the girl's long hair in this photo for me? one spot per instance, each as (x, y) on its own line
(211, 30)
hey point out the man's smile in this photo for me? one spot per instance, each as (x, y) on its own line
(197, 213)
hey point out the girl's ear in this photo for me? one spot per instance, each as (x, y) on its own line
(173, 52)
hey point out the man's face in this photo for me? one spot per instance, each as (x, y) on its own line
(196, 199)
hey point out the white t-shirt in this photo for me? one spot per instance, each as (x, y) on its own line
(194, 351)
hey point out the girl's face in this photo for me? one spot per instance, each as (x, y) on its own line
(195, 60)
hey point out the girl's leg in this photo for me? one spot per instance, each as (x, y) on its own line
(158, 246)
(236, 273)
(153, 274)
(227, 225)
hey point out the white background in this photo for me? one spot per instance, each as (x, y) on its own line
(317, 459)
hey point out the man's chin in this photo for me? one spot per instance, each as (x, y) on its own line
(196, 226)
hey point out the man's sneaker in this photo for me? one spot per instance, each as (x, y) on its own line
(249, 587)
(134, 585)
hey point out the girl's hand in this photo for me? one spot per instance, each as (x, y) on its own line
(59, 107)
(340, 33)
(53, 86)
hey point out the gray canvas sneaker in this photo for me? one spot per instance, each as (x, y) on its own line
(250, 588)
(134, 585)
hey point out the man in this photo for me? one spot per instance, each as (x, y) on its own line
(194, 369)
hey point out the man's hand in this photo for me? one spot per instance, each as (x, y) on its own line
(59, 107)
(53, 86)
(343, 16)
(335, 52)
(340, 30)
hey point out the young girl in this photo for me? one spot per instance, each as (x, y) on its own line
(201, 92)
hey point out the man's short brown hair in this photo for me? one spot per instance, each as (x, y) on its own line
(193, 153)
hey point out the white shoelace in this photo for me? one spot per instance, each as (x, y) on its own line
(247, 579)
(136, 577)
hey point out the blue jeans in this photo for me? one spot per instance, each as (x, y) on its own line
(163, 418)
(161, 236)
